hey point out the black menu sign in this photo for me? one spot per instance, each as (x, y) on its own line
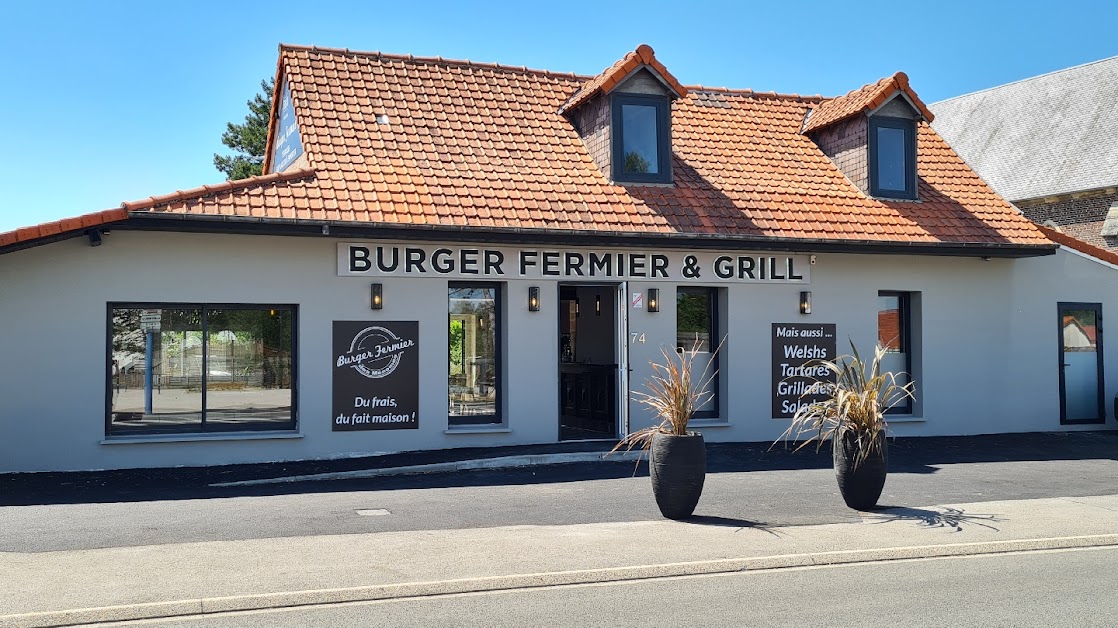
(376, 375)
(797, 349)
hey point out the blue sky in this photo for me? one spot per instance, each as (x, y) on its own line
(113, 101)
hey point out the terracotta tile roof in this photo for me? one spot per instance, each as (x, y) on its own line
(207, 191)
(61, 227)
(483, 146)
(867, 98)
(1079, 245)
(618, 72)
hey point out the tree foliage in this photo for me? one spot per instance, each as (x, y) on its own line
(248, 140)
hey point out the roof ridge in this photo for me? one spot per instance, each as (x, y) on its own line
(752, 92)
(182, 195)
(1024, 80)
(400, 57)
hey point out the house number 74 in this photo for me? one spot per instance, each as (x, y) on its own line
(634, 337)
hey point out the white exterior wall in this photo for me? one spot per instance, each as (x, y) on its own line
(987, 339)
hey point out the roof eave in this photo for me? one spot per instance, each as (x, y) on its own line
(148, 221)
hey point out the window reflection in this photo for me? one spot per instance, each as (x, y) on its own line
(891, 165)
(889, 323)
(474, 365)
(694, 319)
(248, 377)
(639, 139)
(168, 362)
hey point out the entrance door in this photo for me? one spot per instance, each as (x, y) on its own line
(1081, 374)
(588, 361)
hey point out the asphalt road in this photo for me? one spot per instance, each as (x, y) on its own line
(1064, 588)
(552, 495)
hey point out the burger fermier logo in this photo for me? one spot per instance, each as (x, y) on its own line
(375, 375)
(375, 352)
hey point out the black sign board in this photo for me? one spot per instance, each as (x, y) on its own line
(797, 349)
(376, 375)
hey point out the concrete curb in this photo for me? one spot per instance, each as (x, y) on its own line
(204, 606)
(506, 462)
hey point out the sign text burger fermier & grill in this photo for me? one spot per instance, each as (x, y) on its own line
(403, 260)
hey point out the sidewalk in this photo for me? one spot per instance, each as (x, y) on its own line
(66, 587)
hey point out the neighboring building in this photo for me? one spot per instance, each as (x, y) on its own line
(447, 254)
(1047, 144)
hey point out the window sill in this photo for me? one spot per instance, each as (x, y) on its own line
(190, 438)
(702, 423)
(655, 184)
(895, 199)
(478, 429)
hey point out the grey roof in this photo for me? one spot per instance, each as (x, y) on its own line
(1047, 135)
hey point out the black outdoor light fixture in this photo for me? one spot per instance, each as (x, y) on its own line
(534, 299)
(653, 299)
(597, 305)
(805, 303)
(377, 296)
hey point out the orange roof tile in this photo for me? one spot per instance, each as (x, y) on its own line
(618, 72)
(866, 98)
(251, 183)
(1079, 245)
(62, 227)
(484, 146)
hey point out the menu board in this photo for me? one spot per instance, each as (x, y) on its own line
(798, 377)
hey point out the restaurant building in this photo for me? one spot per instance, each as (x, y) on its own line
(452, 254)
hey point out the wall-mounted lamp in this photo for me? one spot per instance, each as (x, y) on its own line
(377, 301)
(805, 303)
(534, 299)
(94, 237)
(597, 305)
(653, 299)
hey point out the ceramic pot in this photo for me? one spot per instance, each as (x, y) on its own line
(860, 485)
(678, 466)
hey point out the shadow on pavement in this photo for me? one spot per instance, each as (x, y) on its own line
(906, 455)
(945, 518)
(729, 522)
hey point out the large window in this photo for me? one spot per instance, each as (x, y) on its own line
(641, 138)
(894, 334)
(696, 323)
(475, 357)
(892, 146)
(200, 368)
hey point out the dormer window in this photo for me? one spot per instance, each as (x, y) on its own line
(641, 138)
(892, 153)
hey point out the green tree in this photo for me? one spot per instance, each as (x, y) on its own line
(248, 140)
(634, 162)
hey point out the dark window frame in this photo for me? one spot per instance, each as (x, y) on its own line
(1061, 307)
(498, 356)
(715, 340)
(205, 427)
(909, 127)
(663, 138)
(904, 305)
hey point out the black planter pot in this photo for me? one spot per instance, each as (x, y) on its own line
(678, 466)
(861, 486)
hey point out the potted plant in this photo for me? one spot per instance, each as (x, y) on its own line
(677, 457)
(851, 414)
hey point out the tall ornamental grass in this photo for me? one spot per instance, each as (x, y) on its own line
(856, 405)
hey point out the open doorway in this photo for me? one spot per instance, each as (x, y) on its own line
(589, 359)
